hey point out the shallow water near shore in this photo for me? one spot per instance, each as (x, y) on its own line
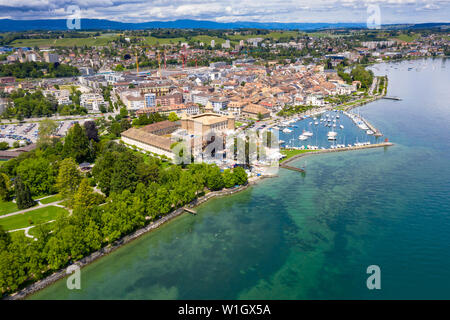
(312, 236)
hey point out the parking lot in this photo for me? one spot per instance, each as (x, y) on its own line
(26, 133)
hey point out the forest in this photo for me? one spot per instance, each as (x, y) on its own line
(37, 70)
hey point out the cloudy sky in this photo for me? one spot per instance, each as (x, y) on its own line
(391, 11)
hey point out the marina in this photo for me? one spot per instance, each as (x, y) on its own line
(334, 129)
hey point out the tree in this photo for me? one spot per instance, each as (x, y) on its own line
(214, 179)
(23, 194)
(47, 128)
(4, 187)
(260, 116)
(124, 125)
(68, 179)
(85, 198)
(4, 145)
(115, 129)
(173, 117)
(228, 178)
(38, 174)
(364, 76)
(123, 112)
(76, 144)
(91, 130)
(240, 176)
(116, 170)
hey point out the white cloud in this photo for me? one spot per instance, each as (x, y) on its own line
(392, 11)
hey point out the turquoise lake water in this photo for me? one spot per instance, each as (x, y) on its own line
(313, 236)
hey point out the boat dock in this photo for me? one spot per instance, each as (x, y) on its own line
(285, 166)
(191, 211)
(391, 98)
(371, 127)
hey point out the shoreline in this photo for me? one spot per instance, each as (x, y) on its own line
(58, 275)
(49, 280)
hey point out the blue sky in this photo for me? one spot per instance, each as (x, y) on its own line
(391, 11)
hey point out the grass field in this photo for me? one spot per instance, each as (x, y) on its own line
(7, 207)
(54, 198)
(152, 40)
(207, 39)
(101, 40)
(36, 217)
(290, 153)
(408, 38)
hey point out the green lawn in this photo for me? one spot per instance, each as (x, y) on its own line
(36, 217)
(7, 207)
(408, 38)
(54, 198)
(101, 40)
(290, 153)
(207, 40)
(152, 40)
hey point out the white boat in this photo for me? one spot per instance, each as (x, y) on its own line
(334, 125)
(332, 134)
(307, 133)
(331, 138)
(302, 137)
(287, 130)
(316, 123)
(369, 132)
(341, 126)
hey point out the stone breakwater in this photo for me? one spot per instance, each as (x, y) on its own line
(369, 146)
(124, 240)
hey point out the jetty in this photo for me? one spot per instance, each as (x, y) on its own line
(285, 166)
(377, 133)
(391, 98)
(191, 211)
(368, 146)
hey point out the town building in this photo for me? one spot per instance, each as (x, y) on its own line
(150, 100)
(255, 111)
(148, 142)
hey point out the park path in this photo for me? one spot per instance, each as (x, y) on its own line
(28, 229)
(40, 205)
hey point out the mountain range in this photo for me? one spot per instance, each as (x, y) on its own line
(100, 24)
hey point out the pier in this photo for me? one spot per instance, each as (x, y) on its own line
(285, 166)
(371, 127)
(191, 211)
(391, 98)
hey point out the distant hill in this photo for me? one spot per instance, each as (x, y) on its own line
(98, 24)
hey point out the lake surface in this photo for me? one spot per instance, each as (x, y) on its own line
(313, 236)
